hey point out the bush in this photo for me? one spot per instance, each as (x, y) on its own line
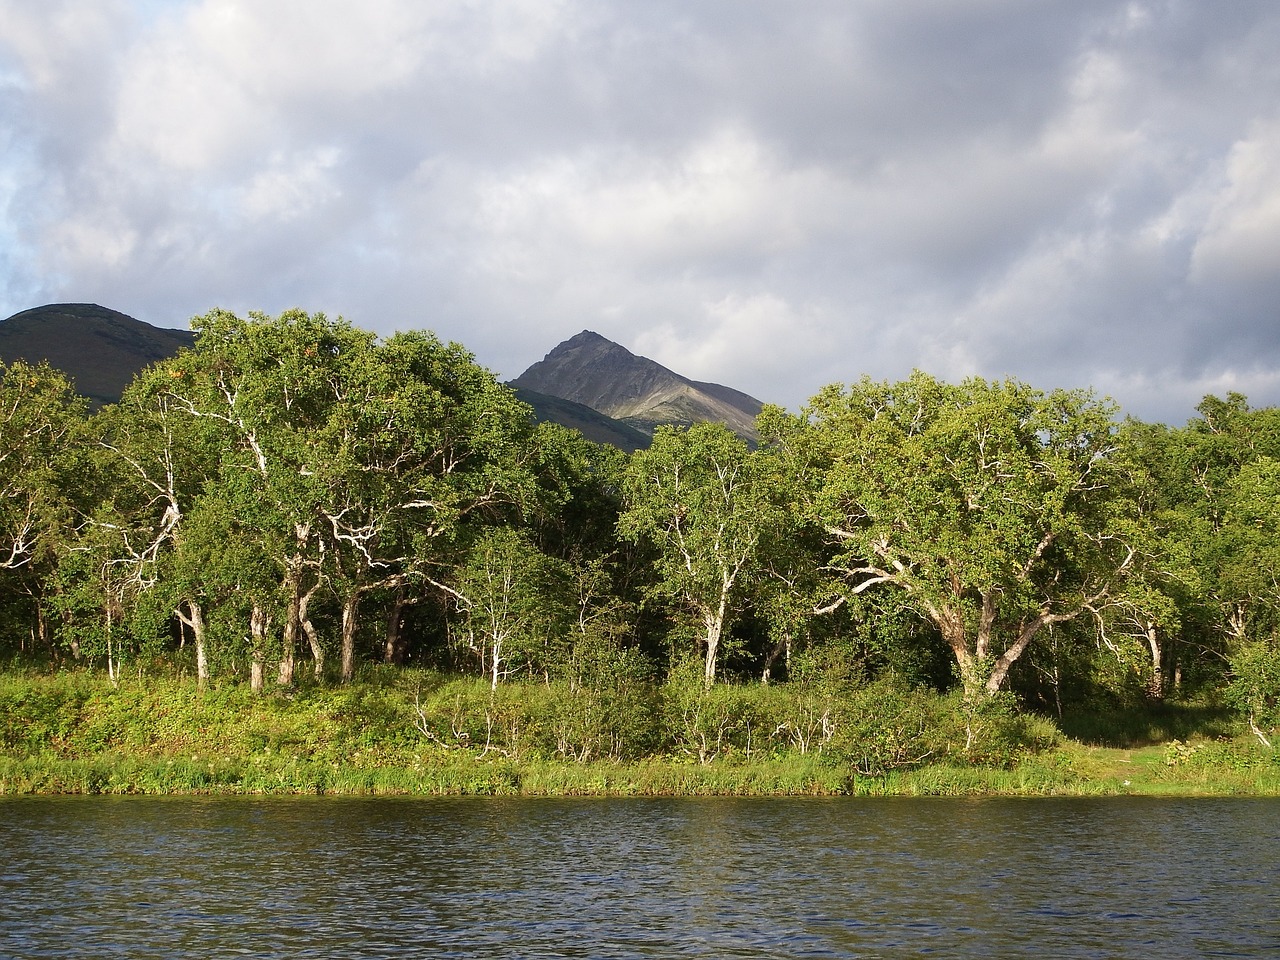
(708, 724)
(887, 725)
(1254, 688)
(41, 714)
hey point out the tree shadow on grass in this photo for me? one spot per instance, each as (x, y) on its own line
(1132, 727)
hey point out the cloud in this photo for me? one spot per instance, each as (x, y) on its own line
(774, 197)
(1239, 247)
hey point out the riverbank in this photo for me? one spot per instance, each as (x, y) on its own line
(76, 733)
(1071, 771)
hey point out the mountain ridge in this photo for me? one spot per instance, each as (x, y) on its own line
(592, 424)
(587, 383)
(99, 348)
(594, 371)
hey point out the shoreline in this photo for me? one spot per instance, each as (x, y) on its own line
(436, 735)
(266, 775)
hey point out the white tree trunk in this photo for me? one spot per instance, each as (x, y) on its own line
(309, 630)
(289, 638)
(1156, 689)
(194, 619)
(259, 628)
(714, 621)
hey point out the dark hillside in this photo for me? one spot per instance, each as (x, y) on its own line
(100, 349)
(591, 424)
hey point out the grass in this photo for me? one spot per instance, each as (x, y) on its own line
(410, 733)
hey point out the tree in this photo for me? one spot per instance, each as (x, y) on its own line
(706, 503)
(511, 600)
(40, 417)
(1251, 523)
(1144, 624)
(1254, 688)
(989, 504)
(348, 461)
(153, 461)
(1216, 484)
(427, 449)
(272, 385)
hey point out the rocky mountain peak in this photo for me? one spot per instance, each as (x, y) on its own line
(594, 371)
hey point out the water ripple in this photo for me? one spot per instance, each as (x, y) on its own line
(342, 877)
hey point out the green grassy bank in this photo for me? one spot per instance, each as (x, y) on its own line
(428, 734)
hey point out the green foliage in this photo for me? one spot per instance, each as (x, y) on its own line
(423, 733)
(889, 726)
(39, 716)
(709, 723)
(712, 509)
(988, 504)
(1220, 754)
(512, 605)
(1126, 724)
(1218, 478)
(1254, 688)
(294, 486)
(41, 468)
(613, 711)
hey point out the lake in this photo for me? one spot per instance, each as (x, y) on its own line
(348, 878)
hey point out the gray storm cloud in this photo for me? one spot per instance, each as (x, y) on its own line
(1080, 194)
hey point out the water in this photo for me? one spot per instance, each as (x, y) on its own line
(347, 878)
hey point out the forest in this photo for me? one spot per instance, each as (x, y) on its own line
(295, 503)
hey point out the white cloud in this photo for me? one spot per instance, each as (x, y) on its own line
(746, 341)
(1072, 192)
(722, 197)
(289, 187)
(1241, 239)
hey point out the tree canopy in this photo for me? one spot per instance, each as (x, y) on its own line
(295, 489)
(989, 504)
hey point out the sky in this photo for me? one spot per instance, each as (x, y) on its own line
(773, 196)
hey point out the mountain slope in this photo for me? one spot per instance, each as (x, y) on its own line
(594, 371)
(100, 349)
(590, 423)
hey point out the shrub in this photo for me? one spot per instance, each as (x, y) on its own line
(709, 723)
(1254, 688)
(887, 725)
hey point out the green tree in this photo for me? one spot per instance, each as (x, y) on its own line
(1249, 550)
(1143, 626)
(511, 601)
(40, 420)
(272, 385)
(349, 464)
(576, 522)
(1255, 685)
(152, 460)
(1214, 485)
(434, 452)
(989, 504)
(709, 506)
(1228, 486)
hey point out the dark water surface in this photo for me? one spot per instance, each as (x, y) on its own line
(341, 877)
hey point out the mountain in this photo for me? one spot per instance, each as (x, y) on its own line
(587, 383)
(598, 373)
(100, 349)
(590, 423)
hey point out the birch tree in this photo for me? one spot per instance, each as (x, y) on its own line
(154, 461)
(510, 600)
(988, 504)
(40, 418)
(705, 502)
(357, 458)
(424, 445)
